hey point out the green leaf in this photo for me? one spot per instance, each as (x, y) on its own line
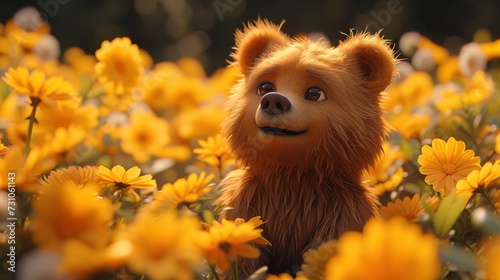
(465, 260)
(208, 216)
(447, 213)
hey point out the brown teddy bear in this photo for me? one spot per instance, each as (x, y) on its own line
(305, 122)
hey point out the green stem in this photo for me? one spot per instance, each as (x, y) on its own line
(35, 101)
(234, 270)
(214, 272)
(485, 195)
(86, 92)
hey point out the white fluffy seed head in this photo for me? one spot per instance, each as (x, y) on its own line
(404, 69)
(423, 60)
(47, 48)
(28, 18)
(471, 59)
(408, 42)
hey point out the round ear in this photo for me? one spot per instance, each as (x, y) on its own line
(373, 57)
(254, 40)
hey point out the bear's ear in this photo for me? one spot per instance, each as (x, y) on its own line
(372, 55)
(254, 40)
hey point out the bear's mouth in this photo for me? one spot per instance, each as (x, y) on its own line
(280, 131)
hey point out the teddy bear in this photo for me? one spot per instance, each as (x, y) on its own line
(304, 121)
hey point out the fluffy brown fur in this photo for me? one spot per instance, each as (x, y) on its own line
(307, 187)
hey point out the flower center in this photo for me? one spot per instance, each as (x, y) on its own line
(121, 185)
(142, 137)
(120, 66)
(449, 169)
(225, 246)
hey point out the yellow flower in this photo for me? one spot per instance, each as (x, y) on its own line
(391, 184)
(82, 177)
(386, 174)
(110, 257)
(315, 260)
(71, 55)
(477, 89)
(49, 119)
(433, 202)
(64, 140)
(105, 139)
(223, 79)
(479, 179)
(215, 152)
(191, 67)
(146, 135)
(122, 179)
(23, 38)
(490, 258)
(180, 93)
(445, 163)
(164, 247)
(53, 91)
(182, 190)
(3, 149)
(411, 126)
(156, 91)
(120, 64)
(117, 102)
(199, 123)
(407, 253)
(448, 70)
(285, 276)
(186, 93)
(410, 209)
(438, 53)
(491, 49)
(449, 99)
(69, 212)
(225, 241)
(27, 169)
(147, 60)
(497, 144)
(413, 91)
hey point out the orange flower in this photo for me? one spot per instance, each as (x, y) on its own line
(120, 64)
(184, 190)
(225, 241)
(410, 209)
(394, 249)
(445, 163)
(120, 180)
(53, 91)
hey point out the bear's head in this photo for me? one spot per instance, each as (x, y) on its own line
(304, 105)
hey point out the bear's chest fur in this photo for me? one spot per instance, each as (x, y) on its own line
(300, 211)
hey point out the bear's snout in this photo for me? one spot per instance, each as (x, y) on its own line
(274, 103)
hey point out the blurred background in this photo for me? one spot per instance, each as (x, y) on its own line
(170, 29)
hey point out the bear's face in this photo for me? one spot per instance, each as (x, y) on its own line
(305, 104)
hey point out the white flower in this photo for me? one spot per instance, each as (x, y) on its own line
(423, 60)
(28, 18)
(408, 42)
(40, 265)
(404, 69)
(471, 59)
(47, 48)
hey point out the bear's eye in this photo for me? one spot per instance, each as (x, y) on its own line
(264, 88)
(315, 94)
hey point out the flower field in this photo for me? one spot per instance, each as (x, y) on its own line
(110, 164)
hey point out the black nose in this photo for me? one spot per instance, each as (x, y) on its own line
(274, 103)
